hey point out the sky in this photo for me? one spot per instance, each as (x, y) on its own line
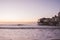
(27, 10)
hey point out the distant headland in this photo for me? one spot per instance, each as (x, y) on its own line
(54, 21)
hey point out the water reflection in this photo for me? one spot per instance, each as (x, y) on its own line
(29, 34)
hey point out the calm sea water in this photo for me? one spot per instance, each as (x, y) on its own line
(29, 34)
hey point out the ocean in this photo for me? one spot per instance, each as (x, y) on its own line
(37, 33)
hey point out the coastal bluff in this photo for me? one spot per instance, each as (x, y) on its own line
(54, 21)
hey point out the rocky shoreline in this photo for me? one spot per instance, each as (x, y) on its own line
(54, 21)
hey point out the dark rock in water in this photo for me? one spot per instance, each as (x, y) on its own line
(19, 24)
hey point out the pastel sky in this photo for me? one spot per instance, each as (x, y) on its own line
(27, 10)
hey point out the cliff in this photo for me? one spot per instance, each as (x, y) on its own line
(54, 21)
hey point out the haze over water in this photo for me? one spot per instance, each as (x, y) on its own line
(14, 12)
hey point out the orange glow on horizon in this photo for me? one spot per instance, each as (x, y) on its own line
(2, 21)
(17, 21)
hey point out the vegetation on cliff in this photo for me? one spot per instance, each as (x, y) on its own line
(54, 21)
